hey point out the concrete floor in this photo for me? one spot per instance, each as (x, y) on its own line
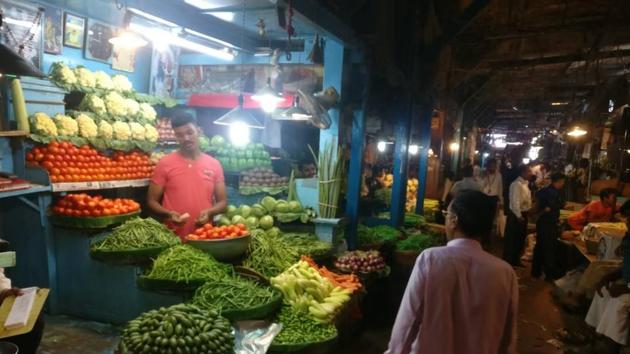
(540, 320)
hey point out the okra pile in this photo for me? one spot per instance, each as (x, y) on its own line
(182, 328)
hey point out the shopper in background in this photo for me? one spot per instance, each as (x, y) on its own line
(520, 201)
(459, 299)
(467, 182)
(187, 187)
(308, 169)
(581, 176)
(549, 201)
(602, 210)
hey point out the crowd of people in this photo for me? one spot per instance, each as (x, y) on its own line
(456, 288)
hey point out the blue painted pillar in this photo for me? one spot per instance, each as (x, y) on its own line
(402, 133)
(354, 176)
(333, 74)
(426, 113)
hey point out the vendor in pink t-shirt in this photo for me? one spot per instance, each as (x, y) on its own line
(187, 187)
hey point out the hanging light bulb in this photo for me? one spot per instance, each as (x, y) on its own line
(240, 116)
(380, 146)
(413, 149)
(129, 40)
(454, 146)
(239, 134)
(268, 98)
(577, 132)
(294, 112)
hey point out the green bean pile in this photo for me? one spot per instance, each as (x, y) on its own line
(298, 328)
(270, 255)
(184, 263)
(137, 234)
(181, 328)
(232, 294)
(306, 243)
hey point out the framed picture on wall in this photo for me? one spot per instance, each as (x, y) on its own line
(21, 29)
(97, 46)
(124, 58)
(73, 30)
(53, 30)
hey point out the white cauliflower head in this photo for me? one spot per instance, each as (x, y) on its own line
(91, 102)
(105, 130)
(115, 104)
(103, 81)
(43, 124)
(132, 107)
(85, 77)
(147, 111)
(87, 127)
(137, 131)
(121, 83)
(62, 73)
(151, 134)
(121, 130)
(66, 126)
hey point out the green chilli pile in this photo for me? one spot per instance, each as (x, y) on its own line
(270, 255)
(136, 234)
(182, 328)
(235, 293)
(298, 328)
(184, 263)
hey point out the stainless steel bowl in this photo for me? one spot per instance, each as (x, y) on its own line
(225, 249)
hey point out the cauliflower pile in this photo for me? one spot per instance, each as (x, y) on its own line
(121, 131)
(60, 72)
(121, 83)
(132, 107)
(105, 130)
(43, 124)
(150, 133)
(66, 125)
(147, 112)
(115, 104)
(93, 103)
(87, 127)
(85, 77)
(137, 131)
(103, 81)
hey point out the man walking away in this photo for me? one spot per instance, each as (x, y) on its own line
(549, 201)
(516, 227)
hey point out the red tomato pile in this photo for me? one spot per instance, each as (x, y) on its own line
(209, 232)
(68, 163)
(81, 205)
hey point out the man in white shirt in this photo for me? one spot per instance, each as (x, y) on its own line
(467, 182)
(492, 185)
(516, 228)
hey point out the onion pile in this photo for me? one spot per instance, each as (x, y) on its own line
(165, 131)
(262, 177)
(360, 262)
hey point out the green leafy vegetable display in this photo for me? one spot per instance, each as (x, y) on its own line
(377, 235)
(306, 244)
(419, 242)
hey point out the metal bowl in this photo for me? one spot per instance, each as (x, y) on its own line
(225, 249)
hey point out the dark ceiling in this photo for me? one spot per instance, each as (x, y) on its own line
(507, 64)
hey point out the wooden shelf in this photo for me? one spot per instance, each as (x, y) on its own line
(13, 133)
(85, 186)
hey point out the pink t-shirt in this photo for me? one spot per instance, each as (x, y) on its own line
(188, 186)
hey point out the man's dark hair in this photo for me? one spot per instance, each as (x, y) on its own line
(606, 192)
(522, 169)
(182, 118)
(475, 213)
(491, 161)
(625, 209)
(557, 176)
(467, 171)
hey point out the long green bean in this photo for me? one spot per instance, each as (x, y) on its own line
(270, 255)
(232, 294)
(184, 263)
(137, 234)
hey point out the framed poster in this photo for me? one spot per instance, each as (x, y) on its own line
(164, 69)
(97, 46)
(53, 30)
(22, 30)
(73, 30)
(124, 58)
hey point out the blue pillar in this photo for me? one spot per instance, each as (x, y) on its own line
(354, 176)
(333, 73)
(402, 134)
(426, 114)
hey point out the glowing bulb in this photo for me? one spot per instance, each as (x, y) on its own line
(239, 134)
(413, 149)
(380, 146)
(476, 152)
(430, 152)
(486, 154)
(268, 105)
(128, 40)
(454, 147)
(526, 160)
(577, 132)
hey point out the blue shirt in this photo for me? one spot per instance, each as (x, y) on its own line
(550, 197)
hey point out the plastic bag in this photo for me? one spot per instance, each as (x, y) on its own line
(255, 337)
